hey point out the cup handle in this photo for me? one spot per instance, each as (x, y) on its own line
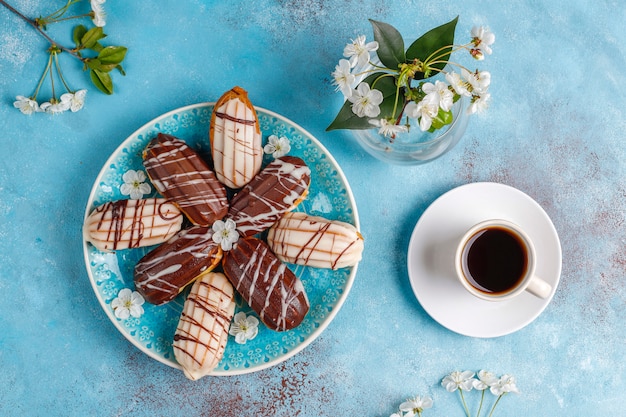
(539, 288)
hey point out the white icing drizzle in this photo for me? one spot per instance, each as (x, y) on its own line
(183, 177)
(270, 288)
(162, 273)
(276, 190)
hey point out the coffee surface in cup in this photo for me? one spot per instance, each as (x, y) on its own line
(495, 260)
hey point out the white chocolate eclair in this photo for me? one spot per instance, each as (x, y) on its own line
(125, 224)
(302, 239)
(235, 137)
(202, 331)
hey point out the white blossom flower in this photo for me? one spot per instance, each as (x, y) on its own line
(458, 84)
(276, 146)
(479, 103)
(76, 100)
(441, 92)
(425, 111)
(485, 380)
(358, 52)
(225, 233)
(416, 405)
(244, 327)
(128, 303)
(482, 38)
(387, 128)
(458, 380)
(55, 106)
(26, 105)
(365, 102)
(134, 184)
(343, 78)
(479, 80)
(505, 384)
(99, 16)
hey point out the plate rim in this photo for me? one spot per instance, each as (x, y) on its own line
(313, 335)
(530, 316)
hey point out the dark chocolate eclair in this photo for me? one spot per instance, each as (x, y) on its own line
(181, 176)
(279, 188)
(163, 272)
(270, 288)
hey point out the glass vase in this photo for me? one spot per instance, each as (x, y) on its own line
(416, 147)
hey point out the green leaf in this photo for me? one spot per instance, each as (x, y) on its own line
(102, 81)
(112, 55)
(346, 119)
(443, 118)
(432, 42)
(77, 35)
(390, 44)
(96, 64)
(92, 36)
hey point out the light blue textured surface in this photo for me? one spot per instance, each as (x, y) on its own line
(555, 130)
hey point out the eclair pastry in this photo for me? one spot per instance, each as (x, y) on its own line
(125, 224)
(235, 137)
(273, 291)
(163, 272)
(202, 331)
(302, 239)
(180, 175)
(279, 188)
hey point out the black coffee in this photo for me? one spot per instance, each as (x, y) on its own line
(495, 260)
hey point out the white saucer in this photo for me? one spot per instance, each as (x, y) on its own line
(431, 259)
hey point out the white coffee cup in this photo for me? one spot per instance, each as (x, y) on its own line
(496, 260)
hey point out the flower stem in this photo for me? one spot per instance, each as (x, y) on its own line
(38, 29)
(56, 62)
(495, 404)
(43, 77)
(480, 406)
(467, 413)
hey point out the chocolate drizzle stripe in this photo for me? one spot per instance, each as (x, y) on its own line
(235, 119)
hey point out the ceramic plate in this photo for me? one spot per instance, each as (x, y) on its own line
(329, 196)
(431, 259)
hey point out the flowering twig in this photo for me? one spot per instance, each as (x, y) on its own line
(99, 62)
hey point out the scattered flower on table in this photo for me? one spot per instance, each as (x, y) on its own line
(128, 303)
(459, 380)
(384, 80)
(225, 233)
(135, 185)
(76, 100)
(244, 327)
(26, 105)
(276, 146)
(414, 406)
(467, 380)
(463, 381)
(55, 106)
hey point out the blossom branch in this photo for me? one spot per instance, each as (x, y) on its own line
(34, 24)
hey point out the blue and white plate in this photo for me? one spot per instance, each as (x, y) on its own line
(153, 332)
